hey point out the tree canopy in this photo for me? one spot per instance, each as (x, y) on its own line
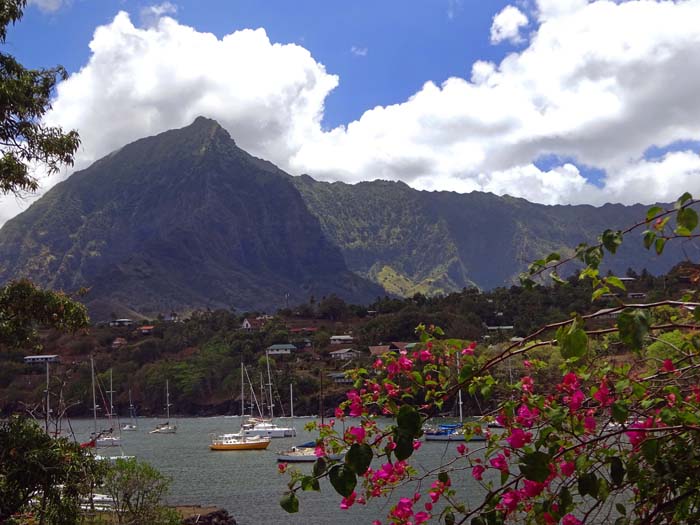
(25, 97)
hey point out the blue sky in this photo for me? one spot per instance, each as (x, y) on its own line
(554, 101)
(407, 42)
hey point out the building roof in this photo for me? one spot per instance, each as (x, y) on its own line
(147, 327)
(344, 351)
(344, 337)
(379, 349)
(282, 346)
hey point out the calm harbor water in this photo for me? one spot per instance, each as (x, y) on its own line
(247, 483)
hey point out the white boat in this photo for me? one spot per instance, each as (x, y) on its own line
(238, 441)
(451, 431)
(102, 438)
(267, 427)
(107, 439)
(131, 426)
(165, 428)
(304, 453)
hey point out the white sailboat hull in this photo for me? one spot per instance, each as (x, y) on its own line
(278, 432)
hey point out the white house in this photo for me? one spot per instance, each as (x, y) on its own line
(344, 354)
(280, 349)
(341, 339)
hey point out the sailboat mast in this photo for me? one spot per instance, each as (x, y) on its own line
(459, 398)
(167, 400)
(321, 400)
(291, 399)
(94, 400)
(111, 395)
(48, 408)
(242, 392)
(131, 407)
(269, 384)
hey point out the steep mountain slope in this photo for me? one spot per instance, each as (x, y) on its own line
(414, 241)
(178, 221)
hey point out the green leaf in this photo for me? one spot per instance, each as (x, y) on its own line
(359, 458)
(650, 449)
(404, 445)
(565, 500)
(449, 518)
(290, 503)
(443, 477)
(616, 282)
(611, 240)
(408, 421)
(653, 212)
(535, 466)
(588, 484)
(310, 483)
(649, 238)
(633, 327)
(343, 480)
(319, 467)
(683, 199)
(417, 377)
(659, 245)
(600, 292)
(620, 413)
(555, 277)
(617, 471)
(621, 508)
(553, 257)
(573, 341)
(688, 219)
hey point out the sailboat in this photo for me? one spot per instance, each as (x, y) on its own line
(239, 441)
(103, 438)
(267, 427)
(451, 431)
(131, 426)
(165, 428)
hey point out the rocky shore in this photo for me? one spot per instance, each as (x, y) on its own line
(198, 515)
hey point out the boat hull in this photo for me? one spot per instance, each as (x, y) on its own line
(248, 445)
(452, 437)
(271, 432)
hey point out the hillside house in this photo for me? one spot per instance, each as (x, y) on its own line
(118, 343)
(344, 354)
(121, 322)
(145, 330)
(394, 346)
(340, 378)
(341, 340)
(280, 349)
(254, 324)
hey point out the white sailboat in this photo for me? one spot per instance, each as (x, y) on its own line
(165, 428)
(267, 427)
(239, 441)
(103, 438)
(131, 426)
(451, 431)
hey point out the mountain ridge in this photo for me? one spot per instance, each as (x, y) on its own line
(187, 220)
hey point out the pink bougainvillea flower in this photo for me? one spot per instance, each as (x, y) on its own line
(499, 462)
(532, 488)
(461, 449)
(567, 468)
(478, 472)
(519, 438)
(589, 424)
(570, 519)
(348, 502)
(358, 433)
(425, 355)
(420, 517)
(510, 500)
(575, 400)
(668, 366)
(526, 416)
(282, 468)
(603, 395)
(527, 384)
(569, 383)
(469, 350)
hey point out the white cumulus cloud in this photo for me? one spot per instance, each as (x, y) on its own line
(151, 14)
(49, 6)
(597, 83)
(507, 24)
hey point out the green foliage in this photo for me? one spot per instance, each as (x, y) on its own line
(40, 475)
(24, 99)
(23, 306)
(138, 491)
